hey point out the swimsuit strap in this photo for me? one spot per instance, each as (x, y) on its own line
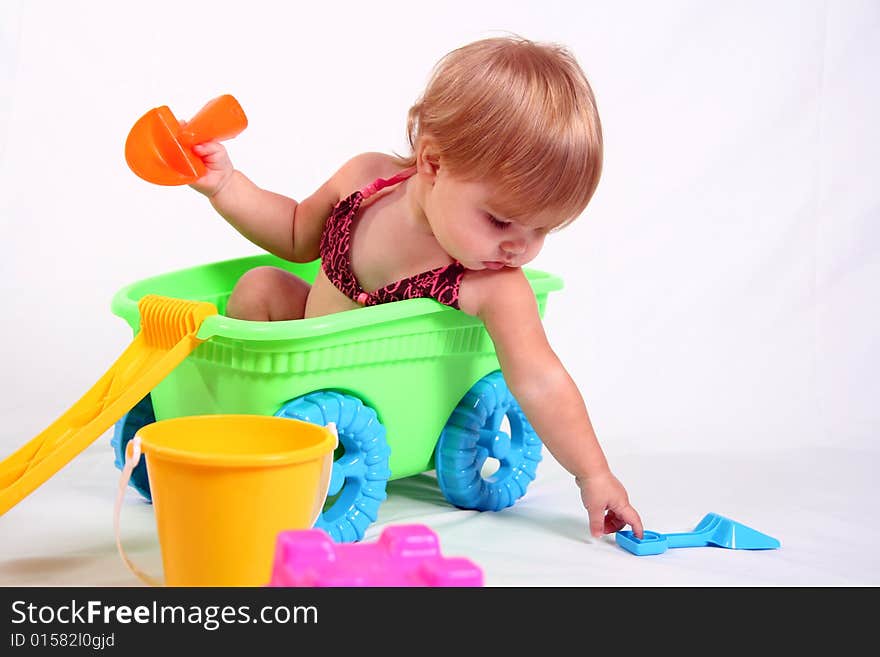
(382, 183)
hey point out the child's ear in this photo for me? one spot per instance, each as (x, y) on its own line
(427, 159)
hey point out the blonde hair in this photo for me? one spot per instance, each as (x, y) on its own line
(520, 115)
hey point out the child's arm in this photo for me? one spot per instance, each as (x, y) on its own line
(272, 221)
(505, 302)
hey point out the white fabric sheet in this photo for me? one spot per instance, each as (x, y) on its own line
(815, 501)
(720, 309)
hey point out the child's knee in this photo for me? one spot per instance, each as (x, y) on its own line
(268, 294)
(259, 280)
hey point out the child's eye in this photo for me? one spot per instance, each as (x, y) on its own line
(497, 222)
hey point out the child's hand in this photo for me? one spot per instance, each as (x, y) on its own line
(603, 492)
(219, 168)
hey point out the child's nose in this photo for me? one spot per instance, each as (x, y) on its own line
(513, 247)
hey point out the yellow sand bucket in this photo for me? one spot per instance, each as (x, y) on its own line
(224, 486)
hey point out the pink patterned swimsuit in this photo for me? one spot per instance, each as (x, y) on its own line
(441, 283)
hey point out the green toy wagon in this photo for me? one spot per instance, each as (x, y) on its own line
(412, 386)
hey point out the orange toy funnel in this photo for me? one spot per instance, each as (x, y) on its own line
(159, 149)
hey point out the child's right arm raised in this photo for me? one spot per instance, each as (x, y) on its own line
(272, 221)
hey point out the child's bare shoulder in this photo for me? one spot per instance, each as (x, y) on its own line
(494, 292)
(362, 169)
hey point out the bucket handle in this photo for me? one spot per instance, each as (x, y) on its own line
(132, 457)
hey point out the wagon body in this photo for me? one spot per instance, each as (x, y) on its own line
(411, 361)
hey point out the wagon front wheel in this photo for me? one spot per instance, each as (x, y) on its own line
(126, 427)
(475, 432)
(360, 467)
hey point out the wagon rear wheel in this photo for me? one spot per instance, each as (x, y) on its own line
(360, 466)
(477, 431)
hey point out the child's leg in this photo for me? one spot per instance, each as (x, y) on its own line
(268, 294)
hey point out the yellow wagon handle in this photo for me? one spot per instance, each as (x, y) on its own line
(167, 336)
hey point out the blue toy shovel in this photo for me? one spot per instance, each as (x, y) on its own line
(713, 530)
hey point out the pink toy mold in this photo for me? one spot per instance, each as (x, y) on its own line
(404, 555)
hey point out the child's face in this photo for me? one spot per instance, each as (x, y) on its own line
(469, 229)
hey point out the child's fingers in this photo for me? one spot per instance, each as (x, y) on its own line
(597, 521)
(209, 149)
(213, 155)
(613, 523)
(631, 517)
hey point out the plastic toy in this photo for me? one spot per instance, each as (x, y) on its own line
(713, 530)
(218, 482)
(404, 555)
(159, 149)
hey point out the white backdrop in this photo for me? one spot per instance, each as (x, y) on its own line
(721, 289)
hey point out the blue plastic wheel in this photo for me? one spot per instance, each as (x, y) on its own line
(360, 469)
(124, 430)
(473, 434)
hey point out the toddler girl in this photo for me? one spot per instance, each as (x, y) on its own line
(506, 147)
